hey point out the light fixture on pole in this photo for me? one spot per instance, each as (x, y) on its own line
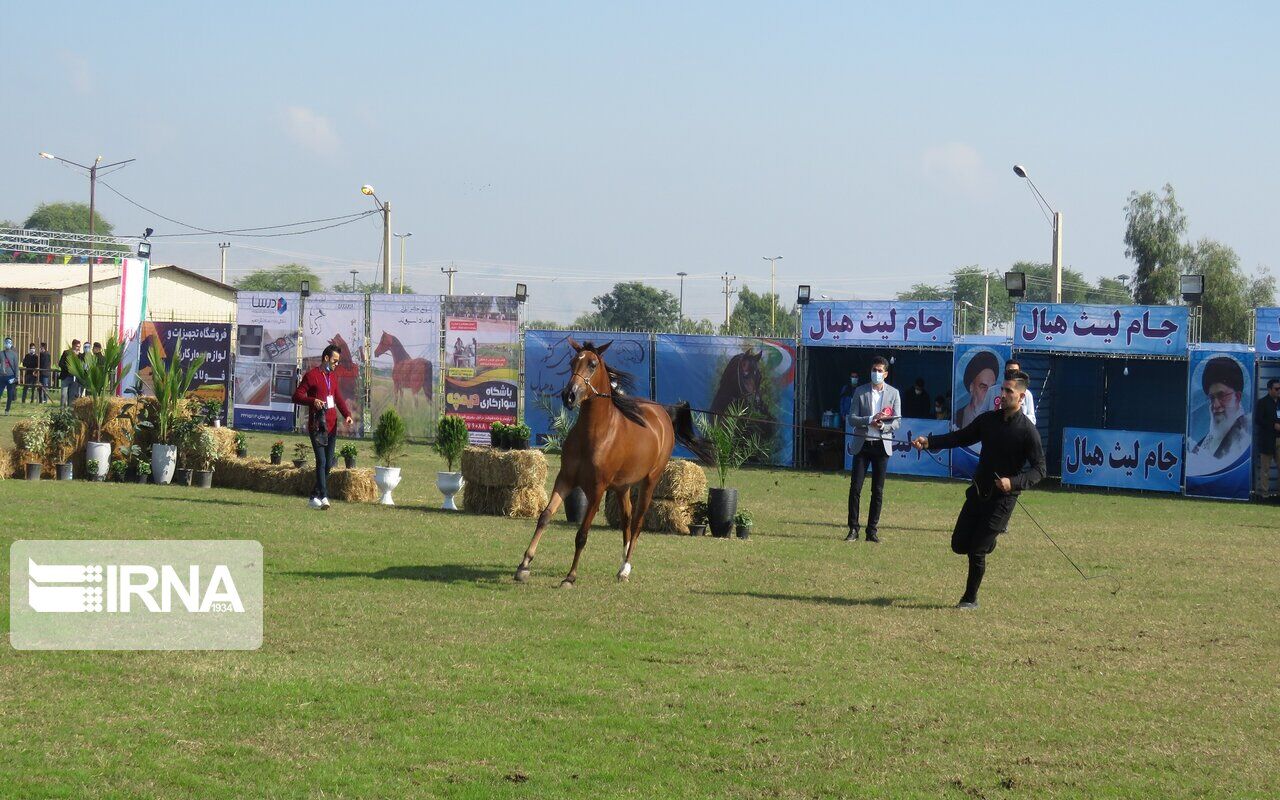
(965, 305)
(93, 185)
(1191, 287)
(802, 294)
(1056, 222)
(304, 288)
(385, 208)
(682, 275)
(773, 292)
(522, 293)
(144, 246)
(353, 272)
(402, 237)
(1015, 283)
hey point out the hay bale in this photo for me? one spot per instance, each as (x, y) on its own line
(9, 464)
(663, 516)
(256, 474)
(353, 485)
(510, 468)
(682, 481)
(503, 501)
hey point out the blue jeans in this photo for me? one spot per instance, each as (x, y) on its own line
(323, 444)
(10, 389)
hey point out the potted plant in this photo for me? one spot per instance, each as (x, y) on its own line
(731, 444)
(211, 411)
(348, 452)
(170, 381)
(93, 471)
(100, 377)
(242, 445)
(518, 436)
(35, 440)
(144, 471)
(742, 522)
(185, 435)
(451, 440)
(205, 451)
(388, 445)
(300, 452)
(277, 452)
(63, 427)
(498, 435)
(698, 523)
(118, 468)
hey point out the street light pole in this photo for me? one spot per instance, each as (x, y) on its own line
(223, 247)
(682, 275)
(451, 271)
(773, 293)
(93, 185)
(402, 237)
(353, 279)
(385, 208)
(1056, 222)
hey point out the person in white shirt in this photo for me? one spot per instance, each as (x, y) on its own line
(1028, 402)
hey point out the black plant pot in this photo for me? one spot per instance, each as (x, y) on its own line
(743, 531)
(520, 443)
(130, 474)
(500, 440)
(349, 462)
(722, 505)
(64, 471)
(275, 458)
(299, 463)
(182, 477)
(575, 505)
(33, 471)
(142, 477)
(698, 529)
(98, 478)
(204, 478)
(242, 452)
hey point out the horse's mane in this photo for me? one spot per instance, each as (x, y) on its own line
(623, 400)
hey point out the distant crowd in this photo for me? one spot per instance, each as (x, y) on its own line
(34, 372)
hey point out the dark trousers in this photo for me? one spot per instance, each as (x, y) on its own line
(10, 389)
(323, 444)
(871, 455)
(981, 520)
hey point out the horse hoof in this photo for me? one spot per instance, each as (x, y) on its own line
(566, 584)
(622, 578)
(522, 575)
(624, 574)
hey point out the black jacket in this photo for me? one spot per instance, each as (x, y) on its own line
(1264, 421)
(1007, 446)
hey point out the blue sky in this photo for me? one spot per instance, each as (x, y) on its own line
(570, 145)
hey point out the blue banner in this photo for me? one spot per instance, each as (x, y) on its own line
(1128, 330)
(1122, 459)
(546, 370)
(1266, 332)
(976, 375)
(1220, 422)
(886, 322)
(713, 373)
(906, 460)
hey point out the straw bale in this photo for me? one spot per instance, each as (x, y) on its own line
(504, 468)
(255, 474)
(353, 485)
(663, 516)
(9, 464)
(502, 501)
(682, 481)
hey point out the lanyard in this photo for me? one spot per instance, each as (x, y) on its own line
(328, 383)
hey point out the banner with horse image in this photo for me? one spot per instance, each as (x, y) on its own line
(976, 374)
(1149, 330)
(546, 370)
(905, 459)
(713, 373)
(481, 362)
(1122, 459)
(209, 339)
(404, 331)
(1220, 422)
(337, 319)
(266, 365)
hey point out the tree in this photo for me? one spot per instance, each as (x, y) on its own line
(1229, 294)
(635, 306)
(543, 325)
(280, 278)
(1152, 239)
(923, 291)
(702, 326)
(70, 218)
(371, 287)
(753, 312)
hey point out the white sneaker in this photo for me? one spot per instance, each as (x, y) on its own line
(315, 503)
(324, 503)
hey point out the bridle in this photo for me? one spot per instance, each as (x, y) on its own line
(593, 390)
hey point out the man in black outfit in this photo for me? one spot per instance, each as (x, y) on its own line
(1012, 459)
(1266, 434)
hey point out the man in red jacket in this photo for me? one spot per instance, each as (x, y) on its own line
(319, 392)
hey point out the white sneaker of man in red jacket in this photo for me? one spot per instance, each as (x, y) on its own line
(319, 392)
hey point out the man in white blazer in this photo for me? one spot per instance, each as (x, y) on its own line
(874, 415)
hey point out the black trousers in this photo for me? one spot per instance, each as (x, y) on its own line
(981, 520)
(871, 455)
(323, 443)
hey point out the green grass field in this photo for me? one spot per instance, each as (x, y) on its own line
(400, 660)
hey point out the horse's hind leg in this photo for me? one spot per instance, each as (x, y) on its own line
(624, 501)
(647, 489)
(558, 492)
(594, 496)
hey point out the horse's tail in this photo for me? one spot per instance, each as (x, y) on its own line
(682, 422)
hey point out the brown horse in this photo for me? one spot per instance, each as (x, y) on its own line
(410, 375)
(619, 441)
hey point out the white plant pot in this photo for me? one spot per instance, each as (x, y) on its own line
(387, 478)
(100, 451)
(164, 457)
(449, 484)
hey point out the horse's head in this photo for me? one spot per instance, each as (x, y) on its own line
(384, 344)
(341, 344)
(749, 373)
(588, 375)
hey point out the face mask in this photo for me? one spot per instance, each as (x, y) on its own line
(877, 377)
(31, 350)
(7, 344)
(853, 381)
(328, 366)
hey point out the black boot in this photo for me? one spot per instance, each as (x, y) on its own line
(977, 568)
(853, 535)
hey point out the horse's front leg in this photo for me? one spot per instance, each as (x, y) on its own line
(594, 495)
(558, 492)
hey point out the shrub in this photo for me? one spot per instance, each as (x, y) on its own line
(451, 438)
(35, 437)
(348, 451)
(731, 444)
(118, 468)
(170, 381)
(100, 376)
(388, 438)
(91, 468)
(242, 441)
(205, 448)
(277, 449)
(300, 451)
(63, 427)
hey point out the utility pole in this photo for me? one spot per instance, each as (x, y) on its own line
(353, 279)
(450, 272)
(682, 275)
(1057, 256)
(773, 293)
(402, 237)
(223, 247)
(986, 298)
(728, 279)
(386, 247)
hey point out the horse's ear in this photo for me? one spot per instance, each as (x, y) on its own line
(758, 355)
(575, 345)
(600, 349)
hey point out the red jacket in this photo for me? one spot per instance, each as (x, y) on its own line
(317, 384)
